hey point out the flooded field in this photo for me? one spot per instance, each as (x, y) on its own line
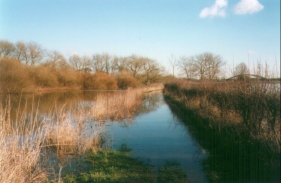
(153, 132)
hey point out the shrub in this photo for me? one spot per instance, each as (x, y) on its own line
(125, 80)
(13, 76)
(99, 81)
(68, 77)
(43, 76)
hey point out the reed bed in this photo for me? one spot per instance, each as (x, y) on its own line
(27, 140)
(73, 133)
(20, 151)
(120, 105)
(23, 145)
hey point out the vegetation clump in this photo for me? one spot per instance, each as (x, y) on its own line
(13, 76)
(118, 166)
(125, 81)
(237, 122)
(99, 81)
(26, 67)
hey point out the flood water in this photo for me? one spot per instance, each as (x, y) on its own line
(155, 134)
(157, 137)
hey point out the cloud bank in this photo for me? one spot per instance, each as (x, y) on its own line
(247, 7)
(218, 9)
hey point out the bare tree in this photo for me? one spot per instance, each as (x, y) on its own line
(21, 52)
(35, 53)
(152, 71)
(107, 62)
(75, 62)
(116, 64)
(134, 65)
(7, 49)
(241, 69)
(56, 59)
(207, 65)
(29, 54)
(86, 63)
(185, 65)
(97, 63)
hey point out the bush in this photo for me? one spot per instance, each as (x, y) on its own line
(125, 80)
(68, 77)
(43, 76)
(13, 76)
(99, 81)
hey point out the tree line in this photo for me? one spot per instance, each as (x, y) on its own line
(45, 68)
(208, 66)
(202, 66)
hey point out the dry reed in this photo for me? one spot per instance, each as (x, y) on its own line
(117, 106)
(120, 105)
(20, 152)
(22, 158)
(22, 140)
(252, 105)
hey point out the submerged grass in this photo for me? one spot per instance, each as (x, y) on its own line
(118, 166)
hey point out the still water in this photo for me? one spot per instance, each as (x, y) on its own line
(158, 137)
(154, 135)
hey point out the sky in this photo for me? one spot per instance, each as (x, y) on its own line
(237, 30)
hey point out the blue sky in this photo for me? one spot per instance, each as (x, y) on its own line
(234, 29)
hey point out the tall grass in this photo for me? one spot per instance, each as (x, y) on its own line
(238, 122)
(20, 151)
(120, 105)
(117, 106)
(255, 105)
(28, 138)
(25, 141)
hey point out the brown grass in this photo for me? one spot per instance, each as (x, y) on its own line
(20, 151)
(69, 136)
(255, 105)
(24, 141)
(120, 105)
(117, 106)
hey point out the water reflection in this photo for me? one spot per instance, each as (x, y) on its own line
(159, 136)
(152, 132)
(151, 101)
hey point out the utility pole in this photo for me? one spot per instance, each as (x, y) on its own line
(173, 61)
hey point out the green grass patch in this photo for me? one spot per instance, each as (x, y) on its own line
(118, 166)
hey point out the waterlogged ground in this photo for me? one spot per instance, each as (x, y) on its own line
(155, 143)
(154, 139)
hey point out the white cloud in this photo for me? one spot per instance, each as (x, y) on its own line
(247, 7)
(218, 9)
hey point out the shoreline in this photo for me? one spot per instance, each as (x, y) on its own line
(45, 90)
